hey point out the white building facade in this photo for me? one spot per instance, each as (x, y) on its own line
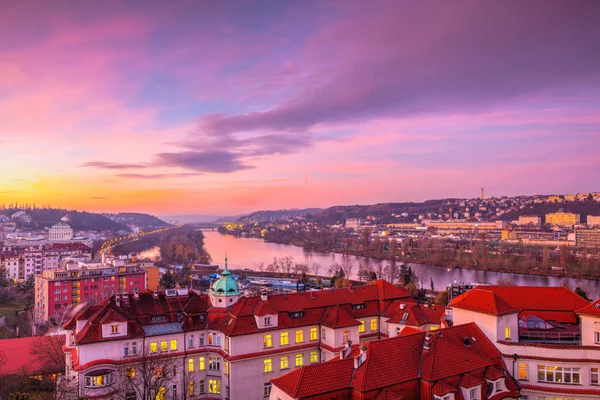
(60, 232)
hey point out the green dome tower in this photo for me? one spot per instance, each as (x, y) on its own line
(225, 291)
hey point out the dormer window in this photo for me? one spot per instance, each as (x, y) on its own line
(114, 328)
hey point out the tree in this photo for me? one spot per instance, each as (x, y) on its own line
(590, 197)
(149, 376)
(441, 298)
(166, 280)
(581, 292)
(347, 266)
(316, 267)
(505, 282)
(431, 284)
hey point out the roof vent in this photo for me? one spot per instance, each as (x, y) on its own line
(136, 295)
(402, 306)
(264, 296)
(155, 295)
(467, 341)
(428, 336)
(171, 292)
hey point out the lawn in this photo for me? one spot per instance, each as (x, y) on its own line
(7, 309)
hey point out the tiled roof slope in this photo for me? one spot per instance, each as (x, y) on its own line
(335, 308)
(418, 315)
(21, 358)
(422, 364)
(500, 300)
(592, 309)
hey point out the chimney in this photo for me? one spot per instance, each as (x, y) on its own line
(359, 359)
(264, 296)
(118, 299)
(136, 295)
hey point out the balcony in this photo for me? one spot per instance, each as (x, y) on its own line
(567, 334)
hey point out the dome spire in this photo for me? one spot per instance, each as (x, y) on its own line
(226, 270)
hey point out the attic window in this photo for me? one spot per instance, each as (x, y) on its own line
(158, 318)
(298, 314)
(358, 306)
(404, 317)
(597, 305)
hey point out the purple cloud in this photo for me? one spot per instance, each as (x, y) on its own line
(110, 165)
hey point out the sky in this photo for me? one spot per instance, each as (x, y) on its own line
(226, 107)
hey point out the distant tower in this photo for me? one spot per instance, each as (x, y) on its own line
(482, 194)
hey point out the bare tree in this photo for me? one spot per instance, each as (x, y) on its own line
(260, 266)
(334, 268)
(148, 376)
(287, 263)
(347, 266)
(315, 268)
(301, 269)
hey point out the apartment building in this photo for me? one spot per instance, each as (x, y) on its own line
(549, 337)
(562, 219)
(528, 220)
(587, 237)
(457, 363)
(56, 291)
(12, 263)
(224, 345)
(593, 220)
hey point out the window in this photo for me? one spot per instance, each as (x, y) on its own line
(160, 393)
(322, 333)
(214, 386)
(214, 364)
(398, 331)
(346, 336)
(153, 347)
(131, 373)
(314, 358)
(498, 386)
(191, 341)
(202, 364)
(134, 348)
(472, 394)
(374, 324)
(173, 345)
(284, 339)
(174, 391)
(191, 365)
(126, 349)
(163, 345)
(558, 374)
(597, 337)
(201, 387)
(523, 371)
(299, 360)
(361, 327)
(191, 388)
(202, 339)
(284, 362)
(113, 328)
(507, 333)
(268, 341)
(267, 389)
(594, 376)
(299, 336)
(314, 335)
(226, 367)
(267, 321)
(100, 380)
(268, 365)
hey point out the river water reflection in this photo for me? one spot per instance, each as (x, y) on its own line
(249, 252)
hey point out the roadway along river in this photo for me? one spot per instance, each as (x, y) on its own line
(248, 253)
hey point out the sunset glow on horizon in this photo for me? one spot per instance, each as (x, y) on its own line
(212, 107)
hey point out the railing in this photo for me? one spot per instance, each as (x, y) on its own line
(550, 336)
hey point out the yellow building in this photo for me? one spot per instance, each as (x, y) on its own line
(152, 277)
(562, 219)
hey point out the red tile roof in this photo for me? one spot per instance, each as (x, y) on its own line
(23, 355)
(336, 317)
(469, 381)
(418, 315)
(441, 388)
(500, 300)
(493, 373)
(592, 309)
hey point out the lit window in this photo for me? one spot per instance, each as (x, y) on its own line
(346, 336)
(374, 324)
(284, 362)
(191, 388)
(173, 345)
(226, 367)
(284, 339)
(267, 389)
(163, 345)
(299, 336)
(202, 364)
(191, 365)
(299, 360)
(507, 333)
(313, 357)
(114, 329)
(361, 327)
(153, 347)
(594, 376)
(159, 372)
(558, 374)
(214, 386)
(523, 371)
(131, 373)
(314, 335)
(268, 365)
(268, 341)
(160, 393)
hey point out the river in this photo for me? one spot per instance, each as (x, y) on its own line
(249, 252)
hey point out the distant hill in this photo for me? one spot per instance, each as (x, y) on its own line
(79, 220)
(138, 219)
(190, 219)
(583, 208)
(233, 218)
(382, 211)
(267, 215)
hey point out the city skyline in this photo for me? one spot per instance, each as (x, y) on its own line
(222, 109)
